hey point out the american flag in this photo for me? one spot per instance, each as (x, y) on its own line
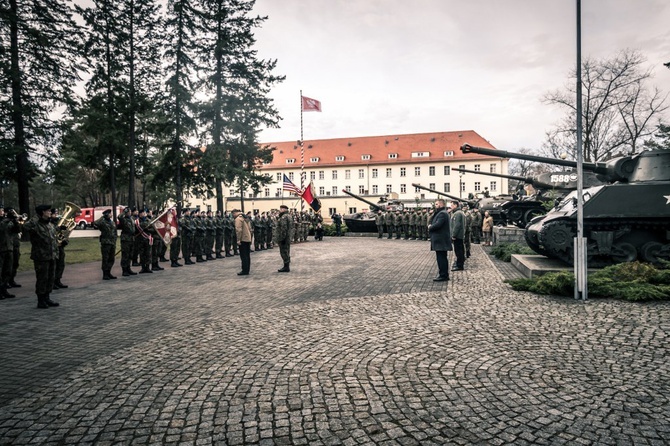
(290, 187)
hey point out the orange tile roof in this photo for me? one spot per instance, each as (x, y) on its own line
(378, 147)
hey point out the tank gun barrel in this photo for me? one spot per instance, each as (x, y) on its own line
(498, 175)
(453, 197)
(373, 207)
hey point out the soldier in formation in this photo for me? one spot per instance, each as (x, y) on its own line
(44, 253)
(9, 225)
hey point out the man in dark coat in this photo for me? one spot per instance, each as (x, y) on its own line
(440, 240)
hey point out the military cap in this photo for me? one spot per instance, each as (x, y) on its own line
(126, 209)
(133, 209)
(235, 210)
(106, 212)
(42, 207)
(283, 206)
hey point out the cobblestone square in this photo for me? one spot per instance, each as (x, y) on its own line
(356, 345)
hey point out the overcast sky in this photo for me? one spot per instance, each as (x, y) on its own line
(384, 67)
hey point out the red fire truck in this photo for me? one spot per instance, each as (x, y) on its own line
(87, 216)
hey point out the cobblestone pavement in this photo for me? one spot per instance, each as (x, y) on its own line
(356, 345)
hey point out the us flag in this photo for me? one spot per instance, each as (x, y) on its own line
(290, 187)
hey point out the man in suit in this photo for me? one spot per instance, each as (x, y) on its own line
(440, 239)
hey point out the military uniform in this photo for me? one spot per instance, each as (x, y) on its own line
(284, 224)
(476, 226)
(210, 235)
(228, 230)
(405, 224)
(389, 219)
(200, 232)
(175, 247)
(108, 236)
(257, 228)
(186, 230)
(145, 242)
(8, 226)
(63, 238)
(397, 225)
(128, 233)
(379, 221)
(218, 237)
(43, 253)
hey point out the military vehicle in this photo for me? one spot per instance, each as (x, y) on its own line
(365, 221)
(491, 204)
(520, 211)
(625, 219)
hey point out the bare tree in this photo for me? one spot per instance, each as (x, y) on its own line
(619, 110)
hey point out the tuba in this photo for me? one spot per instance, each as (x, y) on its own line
(66, 223)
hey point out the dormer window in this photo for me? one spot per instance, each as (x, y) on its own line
(393, 156)
(290, 160)
(339, 158)
(420, 154)
(365, 157)
(314, 159)
(448, 153)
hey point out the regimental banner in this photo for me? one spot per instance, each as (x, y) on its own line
(166, 225)
(309, 104)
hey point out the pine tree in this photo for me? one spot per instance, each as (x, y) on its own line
(38, 47)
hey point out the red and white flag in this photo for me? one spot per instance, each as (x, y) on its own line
(309, 104)
(166, 225)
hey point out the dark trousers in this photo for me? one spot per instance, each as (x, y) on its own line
(380, 231)
(126, 252)
(285, 251)
(107, 252)
(45, 273)
(459, 252)
(174, 248)
(186, 247)
(245, 256)
(60, 263)
(6, 259)
(442, 263)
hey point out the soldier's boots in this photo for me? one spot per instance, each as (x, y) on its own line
(128, 272)
(59, 284)
(163, 259)
(13, 284)
(175, 264)
(107, 275)
(41, 302)
(285, 269)
(4, 293)
(156, 267)
(50, 302)
(145, 270)
(219, 256)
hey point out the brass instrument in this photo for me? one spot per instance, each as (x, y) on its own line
(66, 223)
(21, 219)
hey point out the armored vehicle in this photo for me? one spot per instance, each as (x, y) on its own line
(625, 219)
(365, 221)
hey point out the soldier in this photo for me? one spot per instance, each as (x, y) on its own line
(397, 225)
(137, 243)
(108, 236)
(405, 223)
(218, 238)
(63, 238)
(379, 221)
(185, 235)
(16, 255)
(228, 230)
(210, 235)
(8, 226)
(146, 241)
(175, 245)
(389, 219)
(44, 253)
(127, 225)
(200, 232)
(269, 230)
(457, 236)
(257, 227)
(156, 243)
(424, 225)
(476, 226)
(284, 224)
(468, 223)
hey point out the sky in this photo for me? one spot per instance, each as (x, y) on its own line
(384, 67)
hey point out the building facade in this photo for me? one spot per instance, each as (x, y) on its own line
(373, 167)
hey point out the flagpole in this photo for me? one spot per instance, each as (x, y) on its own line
(302, 157)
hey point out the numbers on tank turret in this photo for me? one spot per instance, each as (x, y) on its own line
(563, 177)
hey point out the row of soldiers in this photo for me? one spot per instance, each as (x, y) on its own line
(412, 224)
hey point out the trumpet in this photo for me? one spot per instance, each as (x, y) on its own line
(66, 223)
(20, 218)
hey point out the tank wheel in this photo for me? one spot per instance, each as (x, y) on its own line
(514, 214)
(650, 250)
(557, 237)
(531, 214)
(623, 252)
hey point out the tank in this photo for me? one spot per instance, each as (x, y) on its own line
(491, 204)
(365, 221)
(626, 218)
(520, 211)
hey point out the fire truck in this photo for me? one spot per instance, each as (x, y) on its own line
(87, 216)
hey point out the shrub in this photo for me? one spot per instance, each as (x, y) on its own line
(504, 251)
(330, 231)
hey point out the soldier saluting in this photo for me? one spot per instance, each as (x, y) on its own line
(284, 224)
(108, 236)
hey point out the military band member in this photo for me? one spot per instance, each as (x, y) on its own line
(44, 253)
(145, 242)
(63, 238)
(108, 236)
(8, 226)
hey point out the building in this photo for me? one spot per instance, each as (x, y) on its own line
(373, 167)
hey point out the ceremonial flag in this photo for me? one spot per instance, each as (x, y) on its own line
(309, 104)
(290, 187)
(309, 196)
(166, 225)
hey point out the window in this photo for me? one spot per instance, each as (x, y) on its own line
(352, 210)
(492, 168)
(334, 174)
(420, 154)
(417, 171)
(462, 186)
(280, 177)
(389, 189)
(312, 175)
(361, 190)
(332, 211)
(334, 190)
(417, 190)
(322, 190)
(347, 188)
(278, 192)
(375, 189)
(290, 160)
(393, 156)
(365, 157)
(431, 171)
(478, 186)
(494, 186)
(447, 170)
(375, 173)
(361, 173)
(403, 172)
(431, 186)
(447, 187)
(461, 166)
(403, 188)
(314, 159)
(388, 172)
(231, 192)
(290, 176)
(322, 174)
(347, 174)
(478, 167)
(339, 158)
(449, 153)
(266, 192)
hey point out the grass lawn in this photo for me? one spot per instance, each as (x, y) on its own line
(79, 250)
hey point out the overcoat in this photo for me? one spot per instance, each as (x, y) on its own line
(440, 235)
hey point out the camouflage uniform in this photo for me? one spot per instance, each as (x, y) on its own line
(476, 226)
(144, 247)
(43, 253)
(284, 226)
(405, 224)
(257, 228)
(186, 230)
(379, 221)
(218, 243)
(108, 236)
(397, 225)
(389, 219)
(127, 241)
(228, 230)
(8, 227)
(200, 232)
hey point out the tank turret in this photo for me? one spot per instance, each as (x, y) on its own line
(625, 220)
(365, 221)
(491, 204)
(373, 207)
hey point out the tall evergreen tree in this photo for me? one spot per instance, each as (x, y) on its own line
(237, 84)
(38, 49)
